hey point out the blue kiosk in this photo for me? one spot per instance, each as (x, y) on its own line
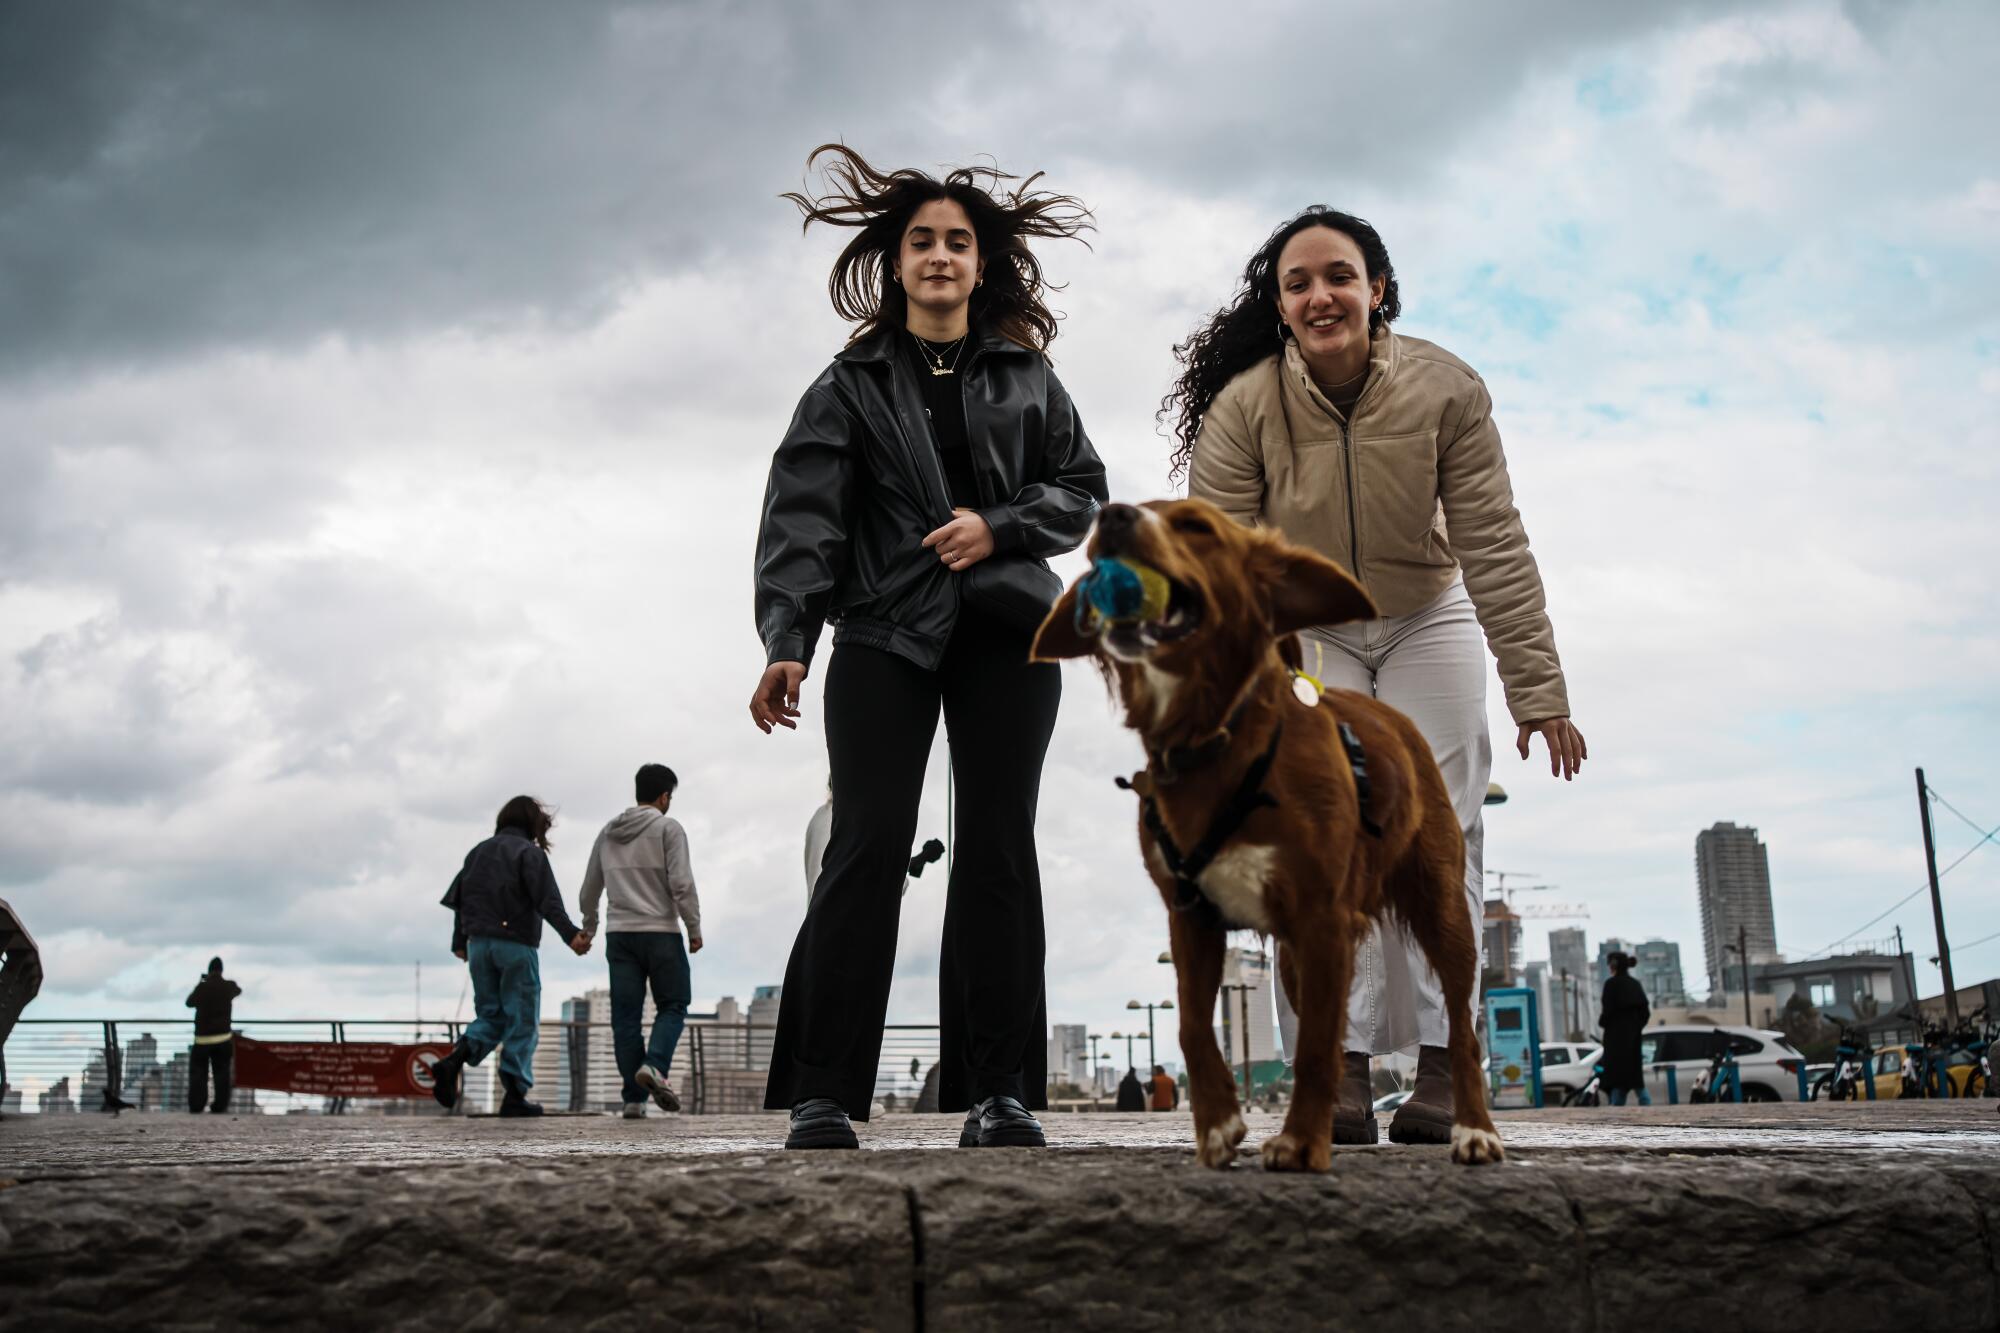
(1514, 1047)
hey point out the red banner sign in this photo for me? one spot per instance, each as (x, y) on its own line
(337, 1069)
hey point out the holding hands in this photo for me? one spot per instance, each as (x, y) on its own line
(579, 944)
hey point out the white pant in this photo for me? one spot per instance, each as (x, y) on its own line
(1431, 666)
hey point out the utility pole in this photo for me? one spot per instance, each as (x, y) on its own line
(1568, 1026)
(1937, 903)
(1743, 958)
(1909, 972)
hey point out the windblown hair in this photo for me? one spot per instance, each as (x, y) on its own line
(529, 815)
(880, 204)
(1248, 330)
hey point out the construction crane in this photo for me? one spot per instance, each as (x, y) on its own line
(1507, 894)
(1555, 911)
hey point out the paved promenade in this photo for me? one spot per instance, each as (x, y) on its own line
(1858, 1216)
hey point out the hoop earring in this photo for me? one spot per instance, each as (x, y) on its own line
(1284, 330)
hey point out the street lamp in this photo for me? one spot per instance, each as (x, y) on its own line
(1095, 1037)
(1152, 1052)
(1129, 1037)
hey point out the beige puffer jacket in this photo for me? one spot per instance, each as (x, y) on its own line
(1414, 490)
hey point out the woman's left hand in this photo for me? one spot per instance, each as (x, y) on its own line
(963, 542)
(1567, 750)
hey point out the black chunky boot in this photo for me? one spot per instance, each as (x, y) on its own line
(446, 1074)
(516, 1102)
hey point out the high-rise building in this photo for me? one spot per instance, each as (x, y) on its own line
(1069, 1053)
(1535, 975)
(1659, 973)
(1500, 942)
(1569, 975)
(56, 1101)
(764, 1003)
(1733, 873)
(1252, 968)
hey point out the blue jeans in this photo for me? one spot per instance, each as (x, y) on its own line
(1617, 1096)
(507, 999)
(638, 959)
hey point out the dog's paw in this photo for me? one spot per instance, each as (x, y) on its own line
(1286, 1152)
(1217, 1147)
(1475, 1147)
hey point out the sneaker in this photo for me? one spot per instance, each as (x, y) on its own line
(635, 1110)
(1005, 1123)
(819, 1122)
(653, 1081)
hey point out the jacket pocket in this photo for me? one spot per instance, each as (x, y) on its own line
(1398, 480)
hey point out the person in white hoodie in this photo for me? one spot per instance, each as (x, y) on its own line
(641, 859)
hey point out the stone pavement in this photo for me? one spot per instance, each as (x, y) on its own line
(1858, 1215)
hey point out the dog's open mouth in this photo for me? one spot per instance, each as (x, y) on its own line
(1136, 638)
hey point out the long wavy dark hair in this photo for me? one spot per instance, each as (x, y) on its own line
(1246, 331)
(881, 203)
(530, 816)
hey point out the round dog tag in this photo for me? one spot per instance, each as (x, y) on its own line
(1305, 691)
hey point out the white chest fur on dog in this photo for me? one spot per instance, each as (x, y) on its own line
(1235, 882)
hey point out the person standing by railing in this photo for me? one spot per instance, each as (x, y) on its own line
(213, 1000)
(20, 979)
(498, 902)
(641, 860)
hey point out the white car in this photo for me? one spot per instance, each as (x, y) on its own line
(1767, 1065)
(1566, 1067)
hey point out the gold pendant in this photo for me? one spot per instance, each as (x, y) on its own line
(939, 370)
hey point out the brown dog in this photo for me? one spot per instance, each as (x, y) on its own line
(1253, 814)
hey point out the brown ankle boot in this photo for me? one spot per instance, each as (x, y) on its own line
(1354, 1116)
(1426, 1117)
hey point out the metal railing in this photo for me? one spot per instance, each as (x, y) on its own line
(60, 1065)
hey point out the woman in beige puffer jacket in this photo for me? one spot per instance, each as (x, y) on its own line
(1300, 409)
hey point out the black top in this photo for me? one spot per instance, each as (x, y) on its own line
(944, 404)
(505, 891)
(211, 1001)
(851, 499)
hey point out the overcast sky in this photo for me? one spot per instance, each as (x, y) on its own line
(386, 394)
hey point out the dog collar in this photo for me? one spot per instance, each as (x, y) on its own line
(1186, 868)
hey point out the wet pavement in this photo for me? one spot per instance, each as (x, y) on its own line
(1857, 1214)
(32, 1146)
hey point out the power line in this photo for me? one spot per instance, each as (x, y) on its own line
(1987, 836)
(1961, 948)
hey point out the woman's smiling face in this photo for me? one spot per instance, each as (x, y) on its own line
(1324, 296)
(939, 262)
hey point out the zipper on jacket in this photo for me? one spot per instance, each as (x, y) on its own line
(1353, 513)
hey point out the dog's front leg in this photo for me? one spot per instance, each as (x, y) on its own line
(1218, 1124)
(1321, 968)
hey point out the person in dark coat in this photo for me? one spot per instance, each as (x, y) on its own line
(1623, 1021)
(498, 903)
(927, 477)
(213, 1000)
(20, 979)
(1131, 1094)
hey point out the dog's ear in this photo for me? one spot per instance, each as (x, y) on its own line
(1307, 589)
(1058, 637)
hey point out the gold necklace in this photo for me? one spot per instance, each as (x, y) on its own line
(938, 366)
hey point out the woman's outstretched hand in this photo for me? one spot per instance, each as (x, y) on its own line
(963, 542)
(1567, 750)
(776, 701)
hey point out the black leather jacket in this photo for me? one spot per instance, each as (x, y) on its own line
(857, 485)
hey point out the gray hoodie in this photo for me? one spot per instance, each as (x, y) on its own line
(641, 857)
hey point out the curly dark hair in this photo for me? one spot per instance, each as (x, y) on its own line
(530, 816)
(881, 204)
(1243, 333)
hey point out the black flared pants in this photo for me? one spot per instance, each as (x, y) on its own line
(881, 715)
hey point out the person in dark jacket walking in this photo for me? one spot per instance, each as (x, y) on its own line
(1131, 1093)
(214, 1051)
(926, 476)
(1623, 1021)
(498, 902)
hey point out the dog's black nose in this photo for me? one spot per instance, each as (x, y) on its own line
(1117, 518)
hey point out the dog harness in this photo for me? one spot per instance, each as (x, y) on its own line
(1249, 797)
